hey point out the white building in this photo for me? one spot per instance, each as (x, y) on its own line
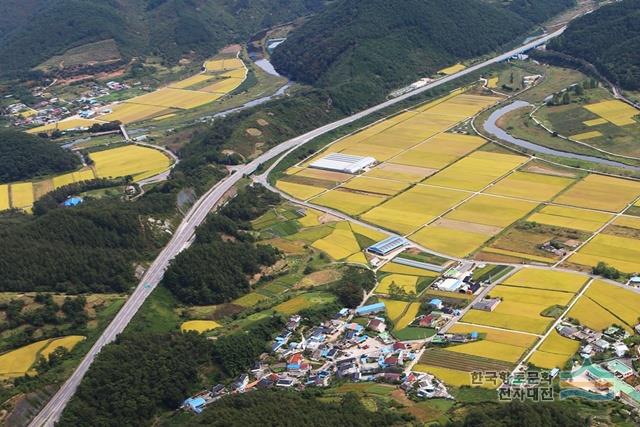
(343, 163)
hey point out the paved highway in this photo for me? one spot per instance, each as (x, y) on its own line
(183, 234)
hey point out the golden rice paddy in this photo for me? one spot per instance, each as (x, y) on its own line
(348, 202)
(18, 362)
(440, 150)
(491, 350)
(546, 360)
(623, 302)
(413, 208)
(4, 197)
(376, 186)
(574, 218)
(452, 69)
(175, 98)
(394, 308)
(476, 171)
(593, 315)
(622, 253)
(547, 279)
(22, 195)
(492, 83)
(601, 192)
(299, 191)
(520, 309)
(489, 210)
(531, 186)
(140, 162)
(408, 316)
(496, 335)
(223, 64)
(66, 124)
(404, 282)
(595, 122)
(68, 342)
(223, 86)
(404, 173)
(128, 112)
(457, 243)
(191, 81)
(368, 232)
(72, 177)
(340, 244)
(199, 326)
(586, 135)
(617, 112)
(628, 221)
(520, 255)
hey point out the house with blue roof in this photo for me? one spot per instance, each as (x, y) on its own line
(195, 404)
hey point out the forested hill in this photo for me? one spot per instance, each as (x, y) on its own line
(33, 31)
(609, 39)
(24, 156)
(362, 49)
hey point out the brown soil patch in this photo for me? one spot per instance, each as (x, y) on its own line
(468, 226)
(262, 122)
(232, 48)
(576, 267)
(253, 132)
(620, 231)
(326, 218)
(322, 174)
(548, 170)
(314, 182)
(497, 258)
(41, 188)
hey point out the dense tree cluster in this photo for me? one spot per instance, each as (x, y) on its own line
(516, 414)
(361, 50)
(24, 156)
(136, 376)
(215, 268)
(167, 28)
(609, 38)
(92, 247)
(291, 408)
(352, 286)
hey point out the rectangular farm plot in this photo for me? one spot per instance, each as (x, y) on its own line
(531, 186)
(340, 244)
(547, 279)
(70, 178)
(191, 81)
(414, 208)
(628, 222)
(601, 192)
(128, 112)
(617, 112)
(520, 309)
(223, 64)
(176, 98)
(595, 122)
(622, 253)
(299, 191)
(22, 195)
(448, 241)
(440, 150)
(4, 197)
(349, 202)
(624, 303)
(489, 210)
(491, 350)
(586, 135)
(496, 335)
(223, 86)
(476, 171)
(574, 218)
(398, 172)
(593, 315)
(402, 281)
(377, 186)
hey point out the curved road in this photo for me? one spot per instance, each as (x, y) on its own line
(197, 214)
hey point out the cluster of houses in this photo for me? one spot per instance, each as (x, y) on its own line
(458, 279)
(593, 342)
(335, 349)
(437, 316)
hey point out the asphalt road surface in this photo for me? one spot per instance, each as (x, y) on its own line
(184, 233)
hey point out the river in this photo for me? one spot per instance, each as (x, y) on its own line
(491, 126)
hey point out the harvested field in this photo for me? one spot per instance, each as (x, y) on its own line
(617, 112)
(323, 175)
(519, 255)
(348, 202)
(621, 252)
(139, 162)
(489, 210)
(530, 186)
(574, 218)
(199, 326)
(476, 171)
(546, 279)
(413, 208)
(601, 192)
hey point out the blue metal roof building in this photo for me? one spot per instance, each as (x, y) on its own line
(387, 245)
(196, 404)
(370, 309)
(72, 201)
